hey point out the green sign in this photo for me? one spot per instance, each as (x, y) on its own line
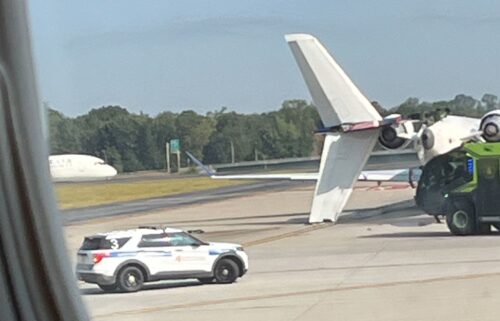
(175, 146)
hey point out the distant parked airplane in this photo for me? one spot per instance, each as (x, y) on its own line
(73, 167)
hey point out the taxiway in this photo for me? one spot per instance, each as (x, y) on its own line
(384, 260)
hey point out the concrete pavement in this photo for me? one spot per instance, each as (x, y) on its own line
(383, 261)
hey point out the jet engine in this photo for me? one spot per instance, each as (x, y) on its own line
(397, 135)
(427, 139)
(490, 126)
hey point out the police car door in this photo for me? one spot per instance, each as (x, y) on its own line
(189, 253)
(155, 251)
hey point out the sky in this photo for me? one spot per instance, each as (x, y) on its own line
(160, 55)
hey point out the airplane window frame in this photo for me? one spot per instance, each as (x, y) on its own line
(36, 281)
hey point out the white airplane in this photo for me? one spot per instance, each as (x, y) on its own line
(73, 167)
(352, 127)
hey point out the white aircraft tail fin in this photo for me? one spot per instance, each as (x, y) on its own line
(337, 99)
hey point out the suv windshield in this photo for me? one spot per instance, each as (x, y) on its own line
(168, 239)
(183, 239)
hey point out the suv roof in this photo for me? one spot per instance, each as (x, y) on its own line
(139, 230)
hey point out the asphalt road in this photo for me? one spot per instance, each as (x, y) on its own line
(147, 205)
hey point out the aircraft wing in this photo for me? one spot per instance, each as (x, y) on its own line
(272, 176)
(378, 160)
(399, 175)
(335, 96)
(395, 175)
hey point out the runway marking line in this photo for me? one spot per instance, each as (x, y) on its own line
(298, 293)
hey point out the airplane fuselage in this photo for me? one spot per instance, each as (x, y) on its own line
(446, 135)
(74, 167)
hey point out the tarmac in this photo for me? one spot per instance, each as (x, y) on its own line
(166, 202)
(383, 260)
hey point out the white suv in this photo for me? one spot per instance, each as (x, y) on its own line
(124, 260)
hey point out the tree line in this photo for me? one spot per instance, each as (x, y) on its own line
(133, 142)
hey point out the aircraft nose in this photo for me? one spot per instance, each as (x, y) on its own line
(111, 171)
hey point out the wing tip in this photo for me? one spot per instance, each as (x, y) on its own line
(294, 37)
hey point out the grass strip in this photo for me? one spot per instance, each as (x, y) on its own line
(85, 195)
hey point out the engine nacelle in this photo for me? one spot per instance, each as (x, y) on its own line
(395, 136)
(490, 126)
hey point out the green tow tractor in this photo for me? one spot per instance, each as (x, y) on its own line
(474, 206)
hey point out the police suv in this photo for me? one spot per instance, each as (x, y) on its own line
(124, 260)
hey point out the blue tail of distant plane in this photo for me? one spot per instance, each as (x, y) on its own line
(200, 164)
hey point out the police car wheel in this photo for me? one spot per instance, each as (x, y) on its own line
(460, 218)
(130, 279)
(108, 287)
(206, 280)
(226, 271)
